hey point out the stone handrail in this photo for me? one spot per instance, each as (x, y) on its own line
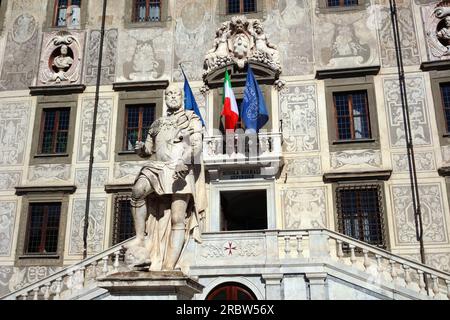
(381, 264)
(74, 276)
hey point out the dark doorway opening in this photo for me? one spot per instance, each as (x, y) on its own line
(231, 291)
(243, 210)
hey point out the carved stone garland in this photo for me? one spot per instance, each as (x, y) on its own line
(438, 31)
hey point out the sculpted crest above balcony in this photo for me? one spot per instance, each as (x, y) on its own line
(239, 41)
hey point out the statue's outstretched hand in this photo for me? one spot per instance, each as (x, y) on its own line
(139, 147)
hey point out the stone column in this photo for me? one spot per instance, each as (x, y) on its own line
(317, 284)
(273, 286)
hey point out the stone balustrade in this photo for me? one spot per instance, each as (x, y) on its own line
(241, 148)
(299, 251)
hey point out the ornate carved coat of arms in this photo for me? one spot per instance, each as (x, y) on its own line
(239, 41)
(438, 31)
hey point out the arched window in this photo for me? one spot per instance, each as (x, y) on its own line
(231, 291)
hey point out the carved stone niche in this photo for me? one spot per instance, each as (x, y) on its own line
(61, 59)
(239, 42)
(437, 26)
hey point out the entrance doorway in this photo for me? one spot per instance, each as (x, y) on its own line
(243, 210)
(231, 291)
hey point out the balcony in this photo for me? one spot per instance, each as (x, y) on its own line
(261, 153)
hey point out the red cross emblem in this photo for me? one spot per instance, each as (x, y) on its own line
(230, 248)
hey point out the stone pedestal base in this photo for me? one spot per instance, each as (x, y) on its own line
(142, 285)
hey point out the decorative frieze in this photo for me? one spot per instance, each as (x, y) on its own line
(418, 112)
(424, 162)
(14, 124)
(298, 108)
(7, 220)
(356, 158)
(9, 180)
(99, 177)
(301, 167)
(109, 57)
(304, 208)
(96, 232)
(103, 132)
(433, 214)
(49, 173)
(232, 250)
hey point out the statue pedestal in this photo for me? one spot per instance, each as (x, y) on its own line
(144, 285)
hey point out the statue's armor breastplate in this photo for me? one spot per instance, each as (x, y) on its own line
(169, 147)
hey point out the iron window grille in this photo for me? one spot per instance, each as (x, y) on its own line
(147, 11)
(241, 6)
(138, 119)
(342, 3)
(445, 95)
(54, 131)
(43, 228)
(67, 13)
(360, 213)
(352, 115)
(123, 228)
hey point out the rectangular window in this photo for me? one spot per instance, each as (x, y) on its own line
(445, 94)
(342, 3)
(352, 115)
(54, 131)
(123, 220)
(138, 119)
(241, 6)
(147, 10)
(43, 228)
(359, 210)
(67, 13)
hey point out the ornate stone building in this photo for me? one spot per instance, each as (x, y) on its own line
(330, 165)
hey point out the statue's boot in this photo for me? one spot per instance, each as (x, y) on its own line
(139, 214)
(174, 250)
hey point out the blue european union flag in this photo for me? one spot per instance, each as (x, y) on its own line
(189, 99)
(253, 108)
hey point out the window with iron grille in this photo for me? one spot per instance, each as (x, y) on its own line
(241, 6)
(43, 228)
(352, 115)
(67, 13)
(445, 94)
(146, 10)
(54, 131)
(360, 213)
(342, 3)
(123, 220)
(138, 119)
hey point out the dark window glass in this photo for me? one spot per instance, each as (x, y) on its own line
(445, 93)
(231, 291)
(67, 12)
(123, 220)
(54, 130)
(352, 115)
(43, 228)
(342, 3)
(241, 6)
(360, 213)
(147, 10)
(138, 119)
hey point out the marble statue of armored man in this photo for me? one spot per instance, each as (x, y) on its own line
(168, 197)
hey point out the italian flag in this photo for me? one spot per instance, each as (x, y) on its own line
(230, 109)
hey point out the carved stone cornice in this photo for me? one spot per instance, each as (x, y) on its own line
(57, 90)
(435, 65)
(347, 72)
(141, 85)
(383, 175)
(115, 188)
(444, 171)
(25, 190)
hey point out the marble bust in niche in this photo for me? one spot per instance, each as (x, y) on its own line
(62, 63)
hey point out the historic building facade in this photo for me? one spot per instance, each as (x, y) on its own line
(332, 155)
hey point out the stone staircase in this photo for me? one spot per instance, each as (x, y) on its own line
(319, 255)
